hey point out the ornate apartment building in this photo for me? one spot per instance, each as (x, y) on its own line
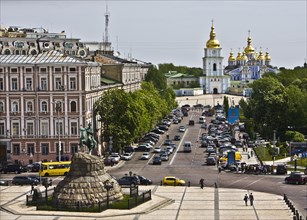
(44, 99)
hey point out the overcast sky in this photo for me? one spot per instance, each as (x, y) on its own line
(173, 31)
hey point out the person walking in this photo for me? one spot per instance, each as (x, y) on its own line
(201, 182)
(251, 199)
(245, 199)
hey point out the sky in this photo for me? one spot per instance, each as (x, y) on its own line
(169, 31)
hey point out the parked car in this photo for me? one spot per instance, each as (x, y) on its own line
(128, 149)
(129, 180)
(158, 131)
(170, 149)
(24, 180)
(157, 149)
(4, 182)
(144, 180)
(143, 148)
(126, 156)
(173, 181)
(156, 160)
(14, 168)
(109, 162)
(281, 169)
(115, 157)
(167, 142)
(296, 178)
(145, 156)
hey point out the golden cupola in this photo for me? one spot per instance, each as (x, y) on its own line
(213, 42)
(260, 56)
(244, 57)
(239, 56)
(231, 57)
(267, 56)
(249, 49)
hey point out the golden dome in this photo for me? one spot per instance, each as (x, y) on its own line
(267, 56)
(249, 49)
(260, 57)
(244, 57)
(212, 42)
(231, 57)
(239, 56)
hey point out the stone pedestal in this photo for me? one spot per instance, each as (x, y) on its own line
(84, 184)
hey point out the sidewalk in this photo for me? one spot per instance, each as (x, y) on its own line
(167, 203)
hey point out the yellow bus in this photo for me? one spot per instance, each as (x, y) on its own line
(55, 168)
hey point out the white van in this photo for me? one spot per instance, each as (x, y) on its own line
(202, 119)
(187, 147)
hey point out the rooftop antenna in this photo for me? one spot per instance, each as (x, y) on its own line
(107, 14)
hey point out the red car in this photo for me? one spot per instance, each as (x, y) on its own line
(296, 178)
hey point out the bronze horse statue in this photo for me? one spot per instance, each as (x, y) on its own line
(87, 138)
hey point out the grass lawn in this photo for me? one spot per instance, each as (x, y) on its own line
(300, 162)
(263, 153)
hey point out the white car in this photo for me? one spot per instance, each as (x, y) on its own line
(145, 156)
(115, 157)
(126, 156)
(181, 129)
(157, 149)
(164, 157)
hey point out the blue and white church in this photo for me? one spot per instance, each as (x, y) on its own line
(213, 80)
(250, 65)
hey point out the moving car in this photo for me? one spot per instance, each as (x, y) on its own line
(144, 180)
(296, 178)
(145, 156)
(14, 168)
(143, 148)
(24, 180)
(129, 180)
(177, 138)
(181, 128)
(173, 181)
(187, 147)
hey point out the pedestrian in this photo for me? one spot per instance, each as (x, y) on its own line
(32, 188)
(252, 153)
(251, 199)
(167, 136)
(245, 199)
(201, 182)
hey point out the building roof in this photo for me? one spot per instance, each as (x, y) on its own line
(41, 58)
(107, 81)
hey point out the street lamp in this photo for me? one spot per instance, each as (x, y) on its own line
(108, 185)
(58, 109)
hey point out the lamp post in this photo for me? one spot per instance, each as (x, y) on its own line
(58, 108)
(108, 185)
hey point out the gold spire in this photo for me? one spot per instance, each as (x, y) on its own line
(231, 57)
(267, 56)
(260, 57)
(213, 42)
(239, 56)
(249, 49)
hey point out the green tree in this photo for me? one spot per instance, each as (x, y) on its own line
(294, 136)
(156, 77)
(226, 105)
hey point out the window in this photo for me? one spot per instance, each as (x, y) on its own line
(45, 149)
(43, 84)
(72, 69)
(14, 85)
(28, 70)
(44, 106)
(30, 149)
(13, 70)
(29, 83)
(29, 106)
(73, 106)
(16, 149)
(1, 107)
(58, 106)
(214, 67)
(2, 132)
(57, 70)
(15, 128)
(1, 84)
(15, 106)
(30, 128)
(73, 128)
(59, 125)
(58, 83)
(44, 128)
(43, 70)
(72, 83)
(74, 148)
